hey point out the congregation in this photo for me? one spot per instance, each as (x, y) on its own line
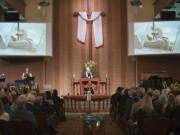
(140, 110)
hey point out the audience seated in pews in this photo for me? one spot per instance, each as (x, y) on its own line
(134, 105)
(21, 113)
(41, 109)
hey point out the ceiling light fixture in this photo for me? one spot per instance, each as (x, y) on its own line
(43, 3)
(136, 3)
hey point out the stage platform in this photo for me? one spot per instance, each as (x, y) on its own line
(79, 104)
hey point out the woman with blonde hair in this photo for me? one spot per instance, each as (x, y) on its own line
(171, 103)
(146, 104)
(143, 105)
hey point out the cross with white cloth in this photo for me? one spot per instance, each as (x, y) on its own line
(94, 21)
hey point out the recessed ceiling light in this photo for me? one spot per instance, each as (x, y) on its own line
(43, 3)
(136, 2)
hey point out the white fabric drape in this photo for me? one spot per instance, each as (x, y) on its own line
(97, 27)
(81, 33)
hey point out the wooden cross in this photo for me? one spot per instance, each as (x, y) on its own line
(89, 13)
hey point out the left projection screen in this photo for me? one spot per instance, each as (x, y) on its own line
(25, 39)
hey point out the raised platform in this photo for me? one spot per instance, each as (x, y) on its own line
(98, 103)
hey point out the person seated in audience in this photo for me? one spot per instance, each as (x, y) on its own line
(163, 100)
(117, 94)
(137, 106)
(145, 108)
(158, 109)
(155, 95)
(1, 92)
(14, 93)
(51, 110)
(164, 95)
(7, 93)
(171, 104)
(146, 104)
(30, 102)
(34, 92)
(124, 96)
(21, 113)
(3, 115)
(26, 74)
(176, 115)
(14, 99)
(58, 105)
(5, 102)
(114, 98)
(40, 106)
(131, 99)
(48, 98)
(159, 105)
(175, 92)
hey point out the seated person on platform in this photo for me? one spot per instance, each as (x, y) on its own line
(26, 74)
(87, 73)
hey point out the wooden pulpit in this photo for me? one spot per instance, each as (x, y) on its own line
(89, 84)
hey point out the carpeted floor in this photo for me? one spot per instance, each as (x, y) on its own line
(74, 126)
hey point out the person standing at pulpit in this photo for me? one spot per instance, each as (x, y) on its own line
(88, 73)
(27, 78)
(26, 74)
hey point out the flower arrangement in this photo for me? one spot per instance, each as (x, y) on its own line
(24, 88)
(91, 64)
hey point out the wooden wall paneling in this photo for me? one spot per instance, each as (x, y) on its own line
(14, 67)
(52, 67)
(65, 45)
(109, 29)
(156, 64)
(129, 64)
(101, 53)
(116, 46)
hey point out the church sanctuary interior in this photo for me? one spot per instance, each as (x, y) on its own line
(89, 67)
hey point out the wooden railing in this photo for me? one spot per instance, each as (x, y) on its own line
(103, 88)
(80, 104)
